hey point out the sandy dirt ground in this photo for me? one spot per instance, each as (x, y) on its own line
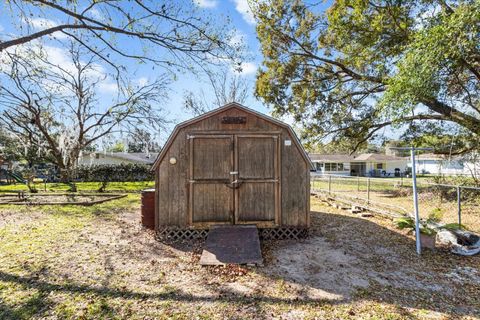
(108, 266)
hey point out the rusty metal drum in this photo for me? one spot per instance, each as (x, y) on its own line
(148, 208)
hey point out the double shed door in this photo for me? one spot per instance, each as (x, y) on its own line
(234, 179)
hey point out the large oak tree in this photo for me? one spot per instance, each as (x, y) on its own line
(58, 109)
(364, 65)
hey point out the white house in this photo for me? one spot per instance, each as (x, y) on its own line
(365, 164)
(443, 164)
(96, 158)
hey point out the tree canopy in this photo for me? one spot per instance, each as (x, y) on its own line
(360, 66)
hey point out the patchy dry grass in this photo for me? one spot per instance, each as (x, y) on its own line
(97, 262)
(438, 200)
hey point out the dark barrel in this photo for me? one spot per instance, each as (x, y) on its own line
(148, 208)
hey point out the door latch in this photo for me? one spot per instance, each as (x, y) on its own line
(234, 185)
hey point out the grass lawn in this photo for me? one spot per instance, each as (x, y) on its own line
(83, 186)
(98, 263)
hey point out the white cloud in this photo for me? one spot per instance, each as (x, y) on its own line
(107, 87)
(1, 28)
(141, 82)
(244, 9)
(42, 23)
(247, 68)
(206, 3)
(60, 57)
(238, 38)
(94, 13)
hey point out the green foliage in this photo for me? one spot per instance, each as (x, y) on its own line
(346, 73)
(117, 147)
(454, 226)
(436, 215)
(405, 223)
(409, 223)
(115, 173)
(13, 149)
(140, 140)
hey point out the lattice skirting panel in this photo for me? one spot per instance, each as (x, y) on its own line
(283, 233)
(173, 234)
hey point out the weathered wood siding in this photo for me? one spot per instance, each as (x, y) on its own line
(172, 181)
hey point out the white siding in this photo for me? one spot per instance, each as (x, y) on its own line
(439, 167)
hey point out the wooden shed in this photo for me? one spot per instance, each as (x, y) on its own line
(232, 165)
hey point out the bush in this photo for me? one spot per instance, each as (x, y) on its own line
(115, 173)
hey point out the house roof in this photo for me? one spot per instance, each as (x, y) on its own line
(140, 157)
(182, 125)
(362, 157)
(433, 156)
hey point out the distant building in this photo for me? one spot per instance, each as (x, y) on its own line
(96, 158)
(440, 164)
(365, 164)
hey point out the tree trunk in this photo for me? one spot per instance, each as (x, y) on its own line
(66, 176)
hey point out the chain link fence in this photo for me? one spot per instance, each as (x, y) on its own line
(394, 197)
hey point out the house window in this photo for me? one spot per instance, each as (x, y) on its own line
(97, 155)
(318, 165)
(334, 167)
(380, 166)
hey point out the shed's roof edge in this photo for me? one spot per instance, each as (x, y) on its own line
(183, 124)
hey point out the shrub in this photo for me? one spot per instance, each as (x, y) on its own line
(115, 173)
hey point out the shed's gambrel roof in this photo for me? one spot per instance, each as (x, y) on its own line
(231, 105)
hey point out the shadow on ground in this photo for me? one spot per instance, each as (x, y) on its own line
(346, 259)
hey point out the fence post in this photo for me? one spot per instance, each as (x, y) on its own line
(358, 184)
(368, 190)
(459, 206)
(329, 184)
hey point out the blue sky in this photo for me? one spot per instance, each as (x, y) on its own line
(236, 10)
(243, 21)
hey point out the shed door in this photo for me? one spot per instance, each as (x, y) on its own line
(211, 164)
(257, 167)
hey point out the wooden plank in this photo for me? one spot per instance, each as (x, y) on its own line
(211, 159)
(256, 202)
(257, 196)
(294, 190)
(211, 202)
(163, 195)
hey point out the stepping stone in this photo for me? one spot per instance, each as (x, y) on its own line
(355, 209)
(237, 244)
